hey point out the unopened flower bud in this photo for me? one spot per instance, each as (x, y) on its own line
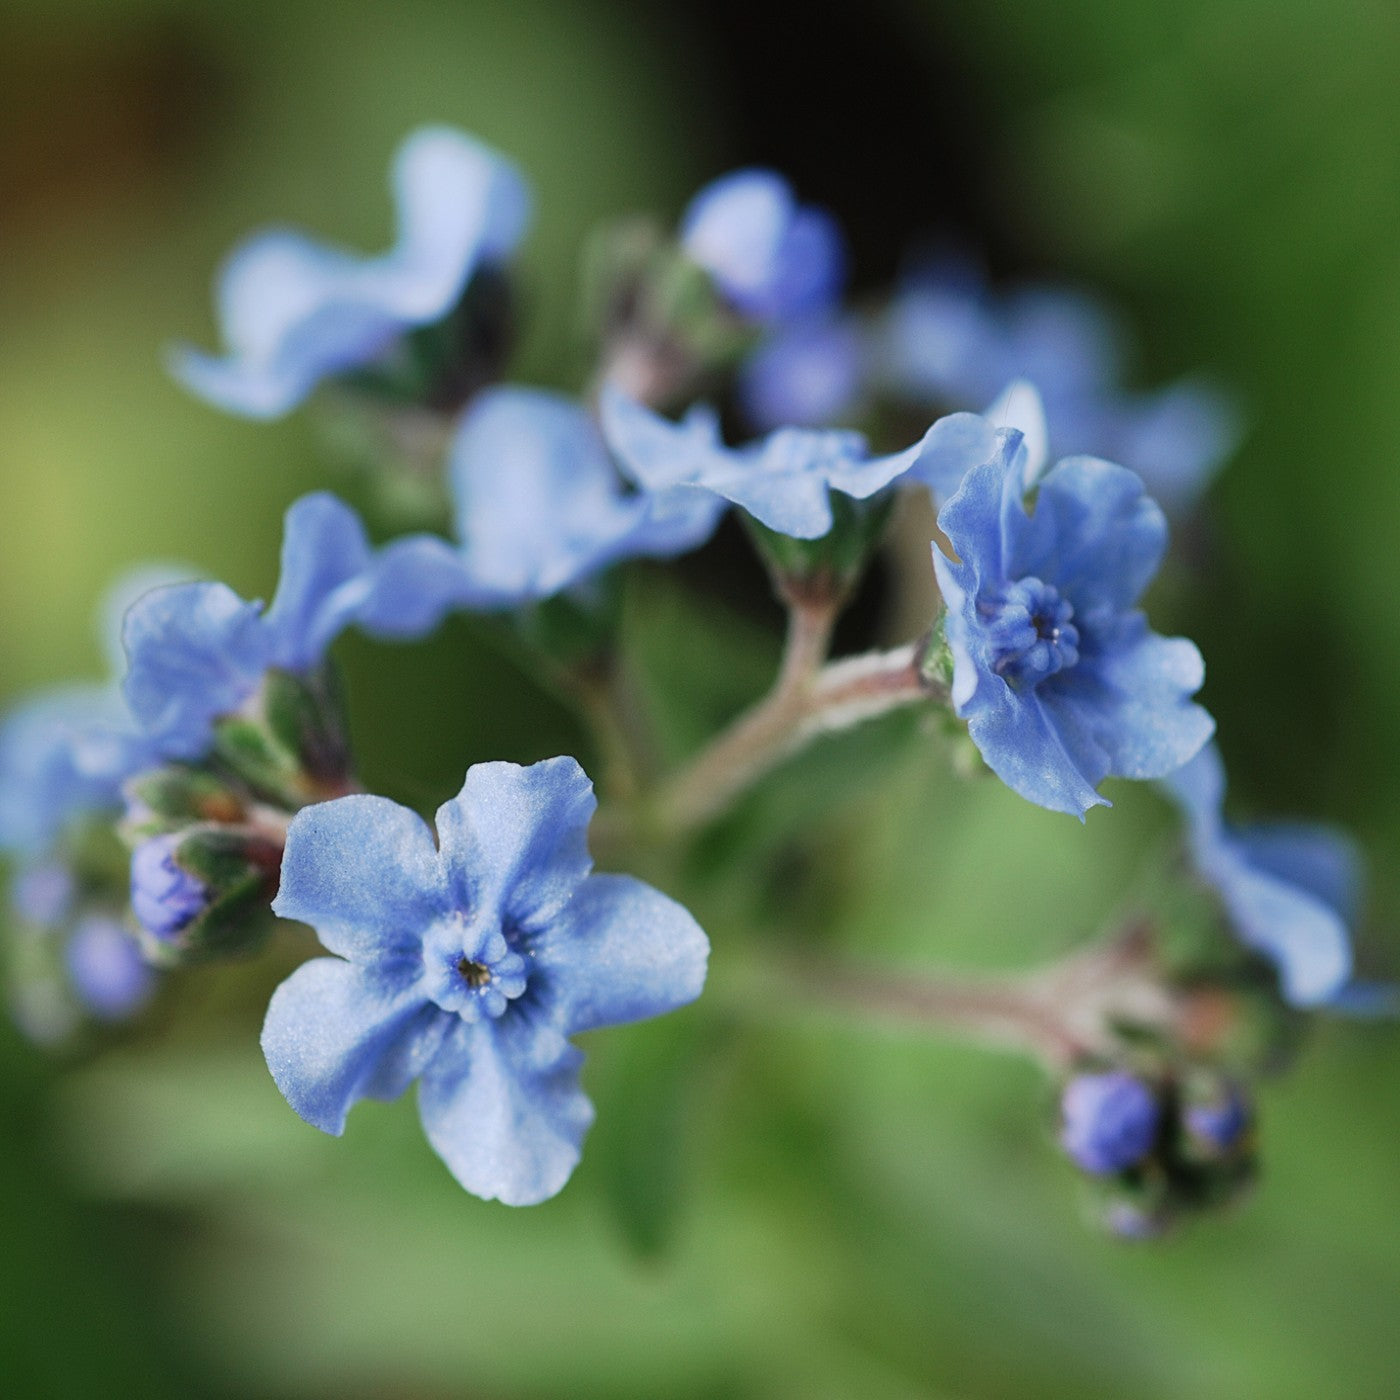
(165, 897)
(1109, 1121)
(1217, 1125)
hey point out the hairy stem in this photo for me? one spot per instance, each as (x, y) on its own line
(1061, 1015)
(807, 699)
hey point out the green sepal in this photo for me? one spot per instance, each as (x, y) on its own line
(288, 743)
(641, 289)
(836, 560)
(169, 798)
(442, 364)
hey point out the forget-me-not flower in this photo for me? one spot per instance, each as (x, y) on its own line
(540, 508)
(197, 651)
(771, 258)
(784, 480)
(1057, 673)
(948, 340)
(294, 312)
(65, 751)
(1290, 889)
(466, 964)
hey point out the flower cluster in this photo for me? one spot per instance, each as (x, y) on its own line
(217, 766)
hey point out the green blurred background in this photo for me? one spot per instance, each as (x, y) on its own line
(769, 1206)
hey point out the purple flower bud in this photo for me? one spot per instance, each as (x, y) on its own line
(1109, 1121)
(1219, 1125)
(107, 970)
(165, 897)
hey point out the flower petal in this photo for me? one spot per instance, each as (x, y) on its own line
(324, 547)
(1319, 860)
(1095, 534)
(538, 502)
(1133, 697)
(195, 651)
(1305, 939)
(620, 951)
(1027, 750)
(365, 874)
(335, 1033)
(516, 839)
(507, 1119)
(950, 449)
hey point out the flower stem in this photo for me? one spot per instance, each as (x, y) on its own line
(1061, 1015)
(807, 699)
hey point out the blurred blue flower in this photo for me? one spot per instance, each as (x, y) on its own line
(1291, 890)
(1059, 677)
(65, 751)
(539, 508)
(771, 258)
(106, 969)
(294, 312)
(1108, 1121)
(784, 480)
(806, 375)
(949, 341)
(467, 965)
(197, 651)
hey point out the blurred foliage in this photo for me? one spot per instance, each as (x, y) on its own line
(772, 1206)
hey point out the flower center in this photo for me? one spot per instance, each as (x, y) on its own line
(1030, 632)
(471, 970)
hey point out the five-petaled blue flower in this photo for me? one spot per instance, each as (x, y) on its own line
(1108, 1121)
(771, 258)
(950, 341)
(197, 651)
(1060, 679)
(540, 508)
(294, 312)
(1290, 889)
(784, 480)
(467, 965)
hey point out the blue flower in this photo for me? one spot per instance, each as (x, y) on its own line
(539, 508)
(807, 375)
(467, 965)
(949, 341)
(771, 258)
(784, 481)
(106, 969)
(294, 312)
(1108, 1121)
(1291, 890)
(198, 651)
(65, 751)
(1059, 677)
